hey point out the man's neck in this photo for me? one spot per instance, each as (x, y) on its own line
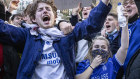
(113, 32)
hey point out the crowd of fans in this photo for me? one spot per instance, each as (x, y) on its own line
(90, 46)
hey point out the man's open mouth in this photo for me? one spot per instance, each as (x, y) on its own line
(46, 19)
(108, 26)
(85, 13)
(129, 10)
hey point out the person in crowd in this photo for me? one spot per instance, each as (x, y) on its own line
(26, 14)
(27, 22)
(131, 66)
(16, 19)
(82, 45)
(9, 58)
(48, 53)
(75, 16)
(112, 32)
(99, 63)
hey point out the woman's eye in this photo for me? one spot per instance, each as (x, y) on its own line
(96, 46)
(103, 47)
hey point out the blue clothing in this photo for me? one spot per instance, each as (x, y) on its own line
(33, 45)
(74, 20)
(134, 42)
(104, 71)
(115, 43)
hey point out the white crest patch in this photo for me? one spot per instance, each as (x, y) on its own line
(104, 68)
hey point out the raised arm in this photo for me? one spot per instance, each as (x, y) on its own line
(93, 24)
(12, 35)
(122, 52)
(13, 5)
(75, 16)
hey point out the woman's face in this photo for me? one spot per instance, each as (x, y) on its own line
(131, 8)
(100, 44)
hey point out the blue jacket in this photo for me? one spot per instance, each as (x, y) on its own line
(33, 45)
(134, 42)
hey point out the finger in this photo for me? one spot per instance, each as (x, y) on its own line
(124, 13)
(79, 5)
(71, 29)
(98, 56)
(99, 60)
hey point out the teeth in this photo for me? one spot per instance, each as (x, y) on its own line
(46, 18)
(128, 10)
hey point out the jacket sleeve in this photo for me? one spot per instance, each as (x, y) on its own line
(93, 24)
(74, 20)
(12, 35)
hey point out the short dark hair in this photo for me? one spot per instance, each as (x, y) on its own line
(13, 16)
(92, 6)
(27, 11)
(113, 15)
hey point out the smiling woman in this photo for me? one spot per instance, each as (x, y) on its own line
(131, 64)
(99, 60)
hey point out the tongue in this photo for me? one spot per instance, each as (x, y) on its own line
(46, 22)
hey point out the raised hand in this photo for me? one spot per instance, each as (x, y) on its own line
(76, 10)
(96, 61)
(125, 13)
(66, 28)
(13, 5)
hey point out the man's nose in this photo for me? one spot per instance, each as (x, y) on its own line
(45, 11)
(106, 22)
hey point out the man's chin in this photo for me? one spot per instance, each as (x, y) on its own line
(47, 27)
(108, 31)
(85, 17)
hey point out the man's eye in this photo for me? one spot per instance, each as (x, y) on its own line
(40, 9)
(48, 9)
